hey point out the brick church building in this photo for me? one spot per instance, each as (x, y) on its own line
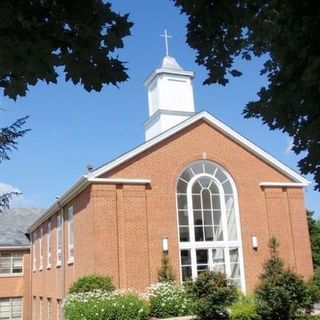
(195, 188)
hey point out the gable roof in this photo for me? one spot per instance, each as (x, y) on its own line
(220, 126)
(14, 224)
(94, 176)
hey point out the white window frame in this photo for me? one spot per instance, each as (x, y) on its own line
(41, 250)
(49, 306)
(70, 235)
(41, 308)
(49, 245)
(34, 307)
(59, 309)
(34, 252)
(193, 245)
(11, 273)
(10, 300)
(59, 238)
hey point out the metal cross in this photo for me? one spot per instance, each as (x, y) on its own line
(166, 36)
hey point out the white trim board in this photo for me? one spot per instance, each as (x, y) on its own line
(282, 184)
(235, 136)
(119, 181)
(14, 248)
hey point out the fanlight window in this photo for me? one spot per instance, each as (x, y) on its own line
(208, 227)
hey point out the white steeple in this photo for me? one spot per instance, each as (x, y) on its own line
(170, 96)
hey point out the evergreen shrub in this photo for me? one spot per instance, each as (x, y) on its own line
(282, 294)
(213, 295)
(165, 273)
(91, 283)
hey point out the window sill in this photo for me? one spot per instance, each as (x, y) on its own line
(70, 261)
(49, 267)
(58, 265)
(41, 268)
(11, 275)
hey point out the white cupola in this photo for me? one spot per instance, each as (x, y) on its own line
(170, 97)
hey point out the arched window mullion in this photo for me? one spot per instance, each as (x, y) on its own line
(223, 213)
(193, 173)
(190, 213)
(212, 212)
(204, 205)
(202, 213)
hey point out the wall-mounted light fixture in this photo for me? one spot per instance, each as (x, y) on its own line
(165, 244)
(254, 242)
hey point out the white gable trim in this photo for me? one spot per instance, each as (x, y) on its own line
(235, 136)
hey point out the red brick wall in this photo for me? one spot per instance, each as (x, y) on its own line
(118, 228)
(263, 212)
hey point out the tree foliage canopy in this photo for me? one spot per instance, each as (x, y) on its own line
(314, 231)
(287, 33)
(8, 142)
(37, 36)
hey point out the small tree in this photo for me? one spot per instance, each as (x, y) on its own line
(281, 294)
(165, 273)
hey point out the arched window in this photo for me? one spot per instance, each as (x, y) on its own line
(208, 222)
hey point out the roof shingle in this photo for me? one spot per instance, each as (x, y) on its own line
(14, 224)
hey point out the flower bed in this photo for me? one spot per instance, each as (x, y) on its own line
(176, 318)
(167, 300)
(96, 305)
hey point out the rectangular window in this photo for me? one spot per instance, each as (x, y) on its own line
(59, 239)
(49, 317)
(34, 305)
(34, 253)
(49, 245)
(70, 235)
(41, 249)
(41, 309)
(11, 263)
(186, 265)
(59, 309)
(11, 309)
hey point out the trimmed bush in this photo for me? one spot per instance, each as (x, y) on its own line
(281, 294)
(91, 283)
(103, 305)
(213, 294)
(244, 309)
(168, 299)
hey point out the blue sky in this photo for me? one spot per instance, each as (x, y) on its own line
(71, 128)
